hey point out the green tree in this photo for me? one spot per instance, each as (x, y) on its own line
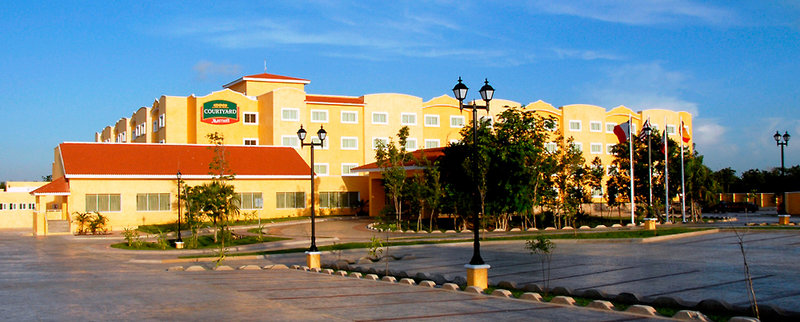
(392, 158)
(702, 187)
(569, 180)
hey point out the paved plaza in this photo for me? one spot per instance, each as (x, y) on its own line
(78, 278)
(63, 278)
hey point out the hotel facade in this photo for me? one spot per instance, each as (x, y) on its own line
(266, 110)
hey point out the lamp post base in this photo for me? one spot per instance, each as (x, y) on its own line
(313, 259)
(179, 245)
(478, 275)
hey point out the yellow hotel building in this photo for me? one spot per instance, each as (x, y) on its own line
(267, 110)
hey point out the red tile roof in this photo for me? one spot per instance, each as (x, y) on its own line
(430, 154)
(268, 78)
(59, 186)
(165, 160)
(327, 99)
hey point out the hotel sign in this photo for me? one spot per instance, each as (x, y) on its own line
(220, 112)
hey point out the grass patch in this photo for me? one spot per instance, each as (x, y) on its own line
(170, 227)
(204, 242)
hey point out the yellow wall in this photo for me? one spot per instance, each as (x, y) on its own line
(793, 203)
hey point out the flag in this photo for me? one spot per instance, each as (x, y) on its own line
(645, 129)
(685, 133)
(623, 131)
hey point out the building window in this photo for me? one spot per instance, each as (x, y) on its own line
(456, 121)
(347, 169)
(286, 200)
(250, 141)
(596, 148)
(161, 120)
(578, 146)
(551, 147)
(250, 201)
(325, 144)
(670, 129)
(349, 143)
(597, 192)
(408, 119)
(12, 206)
(102, 202)
(431, 143)
(290, 114)
(654, 127)
(290, 141)
(155, 126)
(250, 118)
(2, 206)
(376, 141)
(319, 116)
(610, 127)
(349, 117)
(595, 126)
(411, 144)
(380, 118)
(610, 149)
(152, 201)
(321, 169)
(22, 206)
(574, 125)
(338, 199)
(431, 120)
(32, 206)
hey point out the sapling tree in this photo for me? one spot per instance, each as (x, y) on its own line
(542, 247)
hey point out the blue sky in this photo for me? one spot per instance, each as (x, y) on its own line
(70, 68)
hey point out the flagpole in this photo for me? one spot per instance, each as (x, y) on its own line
(630, 146)
(649, 165)
(683, 180)
(666, 169)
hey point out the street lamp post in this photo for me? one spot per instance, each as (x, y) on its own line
(179, 241)
(782, 143)
(477, 270)
(313, 254)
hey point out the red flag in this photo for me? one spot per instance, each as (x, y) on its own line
(623, 131)
(685, 133)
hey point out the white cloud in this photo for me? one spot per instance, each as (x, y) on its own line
(203, 69)
(641, 12)
(585, 54)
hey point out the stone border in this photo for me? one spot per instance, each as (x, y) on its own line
(638, 304)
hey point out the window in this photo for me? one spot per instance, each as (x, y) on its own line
(347, 169)
(22, 206)
(408, 119)
(610, 149)
(319, 116)
(290, 114)
(32, 206)
(338, 199)
(349, 143)
(596, 148)
(250, 141)
(102, 202)
(551, 147)
(411, 144)
(574, 125)
(152, 201)
(2, 206)
(349, 117)
(161, 122)
(321, 169)
(325, 144)
(431, 143)
(380, 118)
(250, 118)
(250, 200)
(610, 127)
(456, 121)
(670, 129)
(431, 120)
(595, 126)
(290, 141)
(12, 206)
(285, 200)
(597, 192)
(155, 126)
(375, 141)
(654, 127)
(487, 119)
(577, 146)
